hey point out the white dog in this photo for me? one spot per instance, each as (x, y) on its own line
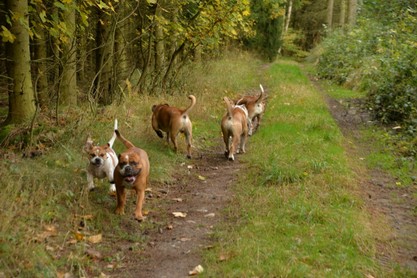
(102, 161)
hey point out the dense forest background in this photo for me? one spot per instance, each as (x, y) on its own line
(57, 55)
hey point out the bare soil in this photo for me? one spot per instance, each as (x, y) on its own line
(201, 193)
(392, 209)
(203, 189)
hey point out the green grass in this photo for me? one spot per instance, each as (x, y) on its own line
(295, 214)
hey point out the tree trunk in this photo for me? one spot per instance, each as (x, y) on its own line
(68, 86)
(41, 68)
(21, 96)
(104, 59)
(288, 18)
(342, 13)
(353, 7)
(329, 18)
(159, 43)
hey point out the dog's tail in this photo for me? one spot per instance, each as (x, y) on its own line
(260, 98)
(193, 101)
(229, 106)
(125, 142)
(113, 138)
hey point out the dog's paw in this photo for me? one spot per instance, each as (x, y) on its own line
(226, 154)
(159, 133)
(232, 158)
(112, 188)
(140, 218)
(120, 211)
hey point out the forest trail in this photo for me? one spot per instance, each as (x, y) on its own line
(382, 198)
(201, 195)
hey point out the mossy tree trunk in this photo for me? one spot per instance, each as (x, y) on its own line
(21, 94)
(68, 85)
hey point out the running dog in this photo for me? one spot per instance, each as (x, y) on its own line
(256, 107)
(102, 161)
(132, 172)
(234, 128)
(173, 120)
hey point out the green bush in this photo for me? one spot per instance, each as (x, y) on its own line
(379, 58)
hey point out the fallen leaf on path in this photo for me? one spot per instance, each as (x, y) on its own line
(177, 199)
(210, 215)
(179, 214)
(94, 254)
(78, 236)
(95, 239)
(183, 239)
(170, 227)
(87, 216)
(197, 270)
(201, 178)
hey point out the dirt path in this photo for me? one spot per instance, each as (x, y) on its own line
(397, 239)
(200, 193)
(202, 190)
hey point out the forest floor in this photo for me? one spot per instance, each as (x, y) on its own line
(203, 192)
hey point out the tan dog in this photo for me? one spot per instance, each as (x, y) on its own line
(102, 161)
(235, 129)
(256, 107)
(132, 172)
(173, 121)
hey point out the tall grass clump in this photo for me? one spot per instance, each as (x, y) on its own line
(295, 212)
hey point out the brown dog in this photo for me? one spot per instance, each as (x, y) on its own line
(256, 107)
(132, 172)
(173, 121)
(235, 129)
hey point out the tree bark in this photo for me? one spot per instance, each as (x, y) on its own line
(21, 94)
(68, 88)
(329, 18)
(353, 7)
(159, 42)
(288, 18)
(342, 13)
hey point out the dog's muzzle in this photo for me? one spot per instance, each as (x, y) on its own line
(97, 161)
(129, 174)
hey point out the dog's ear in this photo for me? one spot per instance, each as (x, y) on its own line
(153, 107)
(88, 144)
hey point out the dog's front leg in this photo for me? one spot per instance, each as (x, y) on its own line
(111, 180)
(139, 203)
(121, 200)
(90, 181)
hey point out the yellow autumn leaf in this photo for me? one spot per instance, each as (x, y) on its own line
(78, 236)
(95, 239)
(6, 35)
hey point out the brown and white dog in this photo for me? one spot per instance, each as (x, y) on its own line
(234, 128)
(102, 161)
(132, 172)
(173, 120)
(256, 107)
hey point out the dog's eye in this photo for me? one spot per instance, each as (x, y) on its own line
(133, 163)
(92, 155)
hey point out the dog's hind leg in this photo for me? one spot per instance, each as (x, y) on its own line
(173, 137)
(188, 139)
